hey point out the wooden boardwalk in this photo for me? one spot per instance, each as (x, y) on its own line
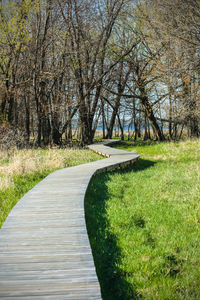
(44, 247)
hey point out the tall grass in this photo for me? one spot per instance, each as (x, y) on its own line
(144, 224)
(20, 170)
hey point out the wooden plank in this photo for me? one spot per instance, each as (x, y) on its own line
(91, 296)
(51, 290)
(66, 265)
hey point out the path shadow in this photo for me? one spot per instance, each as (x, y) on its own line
(106, 253)
(139, 166)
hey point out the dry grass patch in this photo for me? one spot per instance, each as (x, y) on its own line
(20, 162)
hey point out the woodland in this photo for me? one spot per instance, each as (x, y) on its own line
(69, 66)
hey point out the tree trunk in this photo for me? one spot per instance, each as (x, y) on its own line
(103, 119)
(11, 114)
(170, 116)
(145, 127)
(27, 118)
(145, 103)
(193, 120)
(113, 118)
(121, 128)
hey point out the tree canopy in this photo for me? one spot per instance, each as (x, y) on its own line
(69, 67)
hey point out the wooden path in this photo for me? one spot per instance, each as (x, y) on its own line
(44, 247)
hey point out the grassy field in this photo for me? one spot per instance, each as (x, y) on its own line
(20, 170)
(144, 224)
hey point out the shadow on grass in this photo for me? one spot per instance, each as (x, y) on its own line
(106, 253)
(141, 164)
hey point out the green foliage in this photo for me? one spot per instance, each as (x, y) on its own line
(13, 22)
(143, 224)
(22, 184)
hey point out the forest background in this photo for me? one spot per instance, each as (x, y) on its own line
(69, 66)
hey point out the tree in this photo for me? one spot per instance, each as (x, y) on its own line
(176, 27)
(90, 25)
(13, 41)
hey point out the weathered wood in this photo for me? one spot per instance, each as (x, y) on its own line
(44, 248)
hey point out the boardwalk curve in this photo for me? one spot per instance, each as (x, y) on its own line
(44, 247)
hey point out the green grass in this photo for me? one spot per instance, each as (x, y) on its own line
(143, 224)
(21, 185)
(21, 170)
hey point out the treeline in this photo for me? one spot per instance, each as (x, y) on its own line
(69, 65)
